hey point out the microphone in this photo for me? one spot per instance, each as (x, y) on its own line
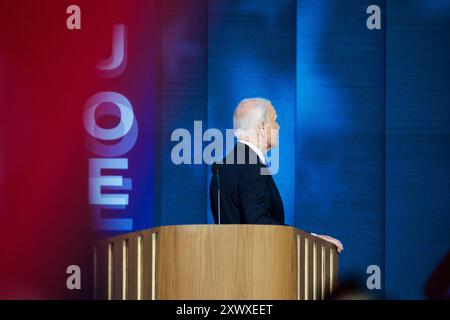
(215, 169)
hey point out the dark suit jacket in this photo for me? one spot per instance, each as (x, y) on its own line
(246, 196)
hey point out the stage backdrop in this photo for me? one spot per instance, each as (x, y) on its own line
(364, 152)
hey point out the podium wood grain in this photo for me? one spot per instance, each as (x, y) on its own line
(215, 262)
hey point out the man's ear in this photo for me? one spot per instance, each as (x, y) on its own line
(262, 129)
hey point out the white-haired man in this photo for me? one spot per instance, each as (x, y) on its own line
(247, 194)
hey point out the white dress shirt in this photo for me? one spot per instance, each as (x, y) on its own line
(256, 150)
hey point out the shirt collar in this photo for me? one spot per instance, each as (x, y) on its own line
(256, 150)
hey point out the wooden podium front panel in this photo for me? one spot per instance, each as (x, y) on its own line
(225, 262)
(215, 262)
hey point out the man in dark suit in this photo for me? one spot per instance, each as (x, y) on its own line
(248, 194)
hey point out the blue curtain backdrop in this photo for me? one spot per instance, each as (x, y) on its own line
(364, 115)
(417, 143)
(340, 129)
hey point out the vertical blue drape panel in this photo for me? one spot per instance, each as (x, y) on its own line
(183, 100)
(251, 53)
(340, 130)
(418, 143)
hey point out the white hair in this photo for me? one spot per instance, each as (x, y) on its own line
(249, 113)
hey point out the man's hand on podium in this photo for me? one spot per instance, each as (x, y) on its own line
(334, 241)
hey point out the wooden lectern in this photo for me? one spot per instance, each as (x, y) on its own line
(215, 262)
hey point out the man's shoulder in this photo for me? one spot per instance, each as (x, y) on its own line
(240, 161)
(238, 169)
(242, 155)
